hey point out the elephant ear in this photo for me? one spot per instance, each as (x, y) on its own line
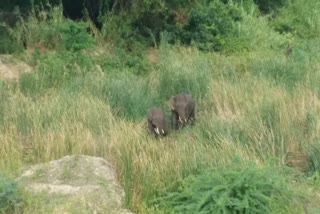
(171, 103)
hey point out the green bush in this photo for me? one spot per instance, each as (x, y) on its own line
(74, 36)
(120, 59)
(301, 18)
(209, 26)
(228, 190)
(268, 6)
(47, 27)
(9, 194)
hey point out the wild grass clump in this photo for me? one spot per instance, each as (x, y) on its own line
(4, 97)
(41, 26)
(228, 190)
(129, 95)
(184, 71)
(54, 70)
(284, 74)
(291, 67)
(52, 126)
(7, 43)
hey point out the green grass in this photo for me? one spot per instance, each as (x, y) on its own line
(253, 118)
(238, 114)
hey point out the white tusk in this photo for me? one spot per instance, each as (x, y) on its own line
(157, 130)
(185, 120)
(180, 119)
(162, 131)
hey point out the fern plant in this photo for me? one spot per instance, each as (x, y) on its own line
(227, 191)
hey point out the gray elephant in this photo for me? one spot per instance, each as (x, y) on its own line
(183, 110)
(157, 122)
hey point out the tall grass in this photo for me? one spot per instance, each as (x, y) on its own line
(51, 126)
(238, 115)
(177, 72)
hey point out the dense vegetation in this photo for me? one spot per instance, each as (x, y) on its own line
(251, 65)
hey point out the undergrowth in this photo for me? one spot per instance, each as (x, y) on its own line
(229, 189)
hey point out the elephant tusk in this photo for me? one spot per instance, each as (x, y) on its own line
(157, 130)
(180, 119)
(162, 131)
(185, 120)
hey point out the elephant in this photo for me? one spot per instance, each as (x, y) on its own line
(183, 110)
(157, 122)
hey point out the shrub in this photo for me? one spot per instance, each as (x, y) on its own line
(74, 36)
(9, 195)
(267, 6)
(210, 25)
(120, 59)
(301, 18)
(46, 27)
(228, 190)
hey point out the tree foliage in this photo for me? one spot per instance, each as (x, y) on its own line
(206, 24)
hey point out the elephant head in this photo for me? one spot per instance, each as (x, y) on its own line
(183, 110)
(157, 122)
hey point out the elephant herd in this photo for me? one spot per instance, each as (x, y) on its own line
(183, 112)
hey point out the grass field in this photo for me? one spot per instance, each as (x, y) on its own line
(256, 107)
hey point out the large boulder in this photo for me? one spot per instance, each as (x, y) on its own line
(81, 184)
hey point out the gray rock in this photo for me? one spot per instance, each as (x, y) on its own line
(81, 184)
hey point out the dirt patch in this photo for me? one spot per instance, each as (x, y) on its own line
(11, 69)
(151, 55)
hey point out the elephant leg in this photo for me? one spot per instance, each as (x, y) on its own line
(151, 129)
(181, 124)
(192, 117)
(174, 120)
